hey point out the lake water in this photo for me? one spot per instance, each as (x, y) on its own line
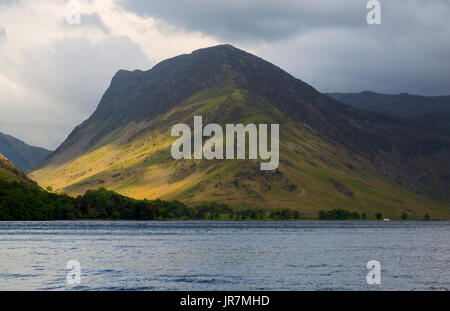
(305, 255)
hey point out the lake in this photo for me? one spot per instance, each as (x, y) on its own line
(204, 255)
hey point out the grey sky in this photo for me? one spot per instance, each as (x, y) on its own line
(2, 34)
(52, 75)
(88, 20)
(329, 43)
(252, 20)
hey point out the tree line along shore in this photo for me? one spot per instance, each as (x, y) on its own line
(20, 201)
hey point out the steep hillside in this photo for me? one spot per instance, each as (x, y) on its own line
(331, 155)
(23, 199)
(9, 172)
(22, 155)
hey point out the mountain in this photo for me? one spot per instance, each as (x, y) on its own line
(401, 105)
(9, 172)
(331, 154)
(431, 112)
(22, 155)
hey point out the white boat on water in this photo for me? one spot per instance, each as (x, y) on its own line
(386, 219)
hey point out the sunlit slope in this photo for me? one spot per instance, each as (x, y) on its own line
(9, 172)
(135, 160)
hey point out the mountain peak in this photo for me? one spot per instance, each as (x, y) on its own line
(135, 96)
(219, 47)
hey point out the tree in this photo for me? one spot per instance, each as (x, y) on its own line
(355, 215)
(404, 215)
(115, 215)
(363, 216)
(322, 215)
(427, 217)
(285, 214)
(378, 215)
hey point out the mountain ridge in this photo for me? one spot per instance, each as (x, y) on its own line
(21, 154)
(402, 105)
(127, 137)
(429, 112)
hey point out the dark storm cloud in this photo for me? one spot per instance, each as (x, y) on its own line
(408, 52)
(252, 20)
(328, 43)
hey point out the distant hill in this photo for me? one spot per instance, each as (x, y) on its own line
(401, 105)
(22, 155)
(432, 112)
(332, 155)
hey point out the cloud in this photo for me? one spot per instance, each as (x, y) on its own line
(59, 85)
(406, 53)
(52, 75)
(252, 20)
(88, 20)
(327, 43)
(3, 35)
(8, 2)
(78, 71)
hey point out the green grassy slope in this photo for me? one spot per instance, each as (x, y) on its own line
(135, 160)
